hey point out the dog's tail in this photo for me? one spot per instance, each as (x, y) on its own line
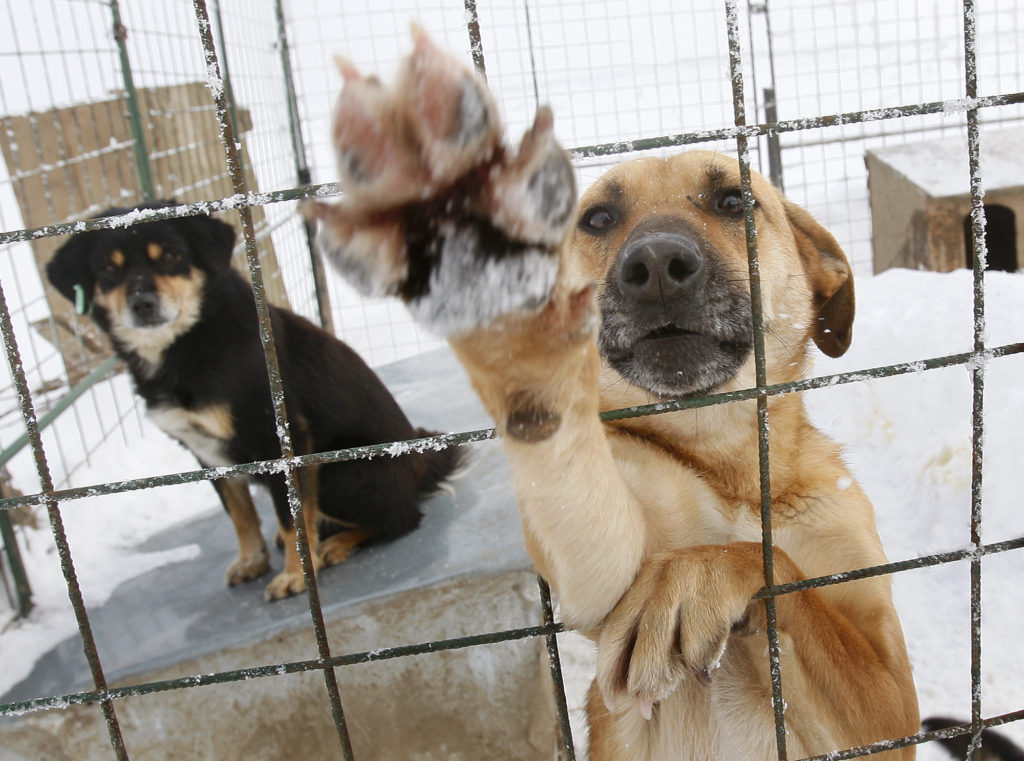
(994, 746)
(439, 465)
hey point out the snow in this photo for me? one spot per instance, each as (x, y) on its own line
(103, 533)
(907, 440)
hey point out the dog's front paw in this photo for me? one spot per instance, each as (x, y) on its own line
(248, 567)
(436, 210)
(285, 584)
(675, 621)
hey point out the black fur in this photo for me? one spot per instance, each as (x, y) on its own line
(333, 400)
(994, 746)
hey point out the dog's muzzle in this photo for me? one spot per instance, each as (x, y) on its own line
(660, 267)
(144, 304)
(672, 320)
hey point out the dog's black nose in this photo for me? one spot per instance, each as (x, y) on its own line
(660, 267)
(145, 306)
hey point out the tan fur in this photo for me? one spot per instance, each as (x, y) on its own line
(649, 529)
(291, 581)
(338, 547)
(253, 559)
(179, 302)
(204, 431)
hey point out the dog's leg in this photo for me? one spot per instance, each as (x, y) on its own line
(477, 256)
(338, 547)
(687, 607)
(291, 581)
(253, 559)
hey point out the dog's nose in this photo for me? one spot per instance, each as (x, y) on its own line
(660, 267)
(143, 300)
(145, 306)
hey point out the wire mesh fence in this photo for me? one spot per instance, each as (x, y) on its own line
(225, 107)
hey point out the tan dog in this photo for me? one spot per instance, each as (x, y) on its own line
(648, 529)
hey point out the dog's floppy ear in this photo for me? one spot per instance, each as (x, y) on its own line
(70, 272)
(210, 239)
(830, 278)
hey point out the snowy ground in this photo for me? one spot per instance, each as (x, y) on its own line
(907, 440)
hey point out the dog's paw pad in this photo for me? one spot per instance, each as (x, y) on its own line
(448, 109)
(377, 163)
(529, 419)
(285, 584)
(532, 197)
(474, 233)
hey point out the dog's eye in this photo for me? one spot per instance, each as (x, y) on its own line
(597, 220)
(169, 256)
(731, 202)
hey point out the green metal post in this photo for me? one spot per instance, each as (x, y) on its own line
(134, 115)
(22, 590)
(229, 93)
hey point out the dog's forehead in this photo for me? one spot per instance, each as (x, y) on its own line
(139, 239)
(666, 179)
(682, 183)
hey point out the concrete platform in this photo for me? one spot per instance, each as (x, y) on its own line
(464, 571)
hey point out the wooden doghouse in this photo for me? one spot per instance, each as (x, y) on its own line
(921, 202)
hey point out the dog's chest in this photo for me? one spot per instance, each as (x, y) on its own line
(205, 432)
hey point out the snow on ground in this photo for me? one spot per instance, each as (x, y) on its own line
(103, 533)
(907, 440)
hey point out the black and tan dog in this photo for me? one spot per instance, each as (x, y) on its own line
(184, 321)
(648, 529)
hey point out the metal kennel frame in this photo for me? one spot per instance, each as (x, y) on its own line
(244, 201)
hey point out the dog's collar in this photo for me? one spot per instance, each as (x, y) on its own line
(80, 300)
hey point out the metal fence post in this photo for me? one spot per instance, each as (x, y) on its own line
(302, 173)
(57, 527)
(22, 590)
(760, 372)
(476, 45)
(132, 100)
(978, 366)
(234, 168)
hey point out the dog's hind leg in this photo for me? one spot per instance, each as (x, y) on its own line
(338, 547)
(252, 560)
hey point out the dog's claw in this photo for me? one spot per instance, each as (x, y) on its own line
(646, 708)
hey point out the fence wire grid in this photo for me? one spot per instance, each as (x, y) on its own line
(90, 86)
